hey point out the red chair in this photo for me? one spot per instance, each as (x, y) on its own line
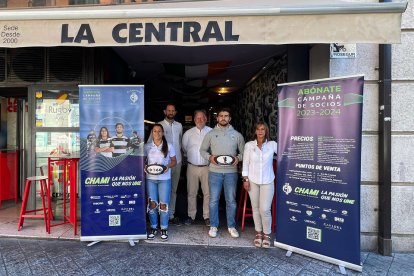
(45, 203)
(242, 211)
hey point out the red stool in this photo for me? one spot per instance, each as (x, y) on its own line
(242, 210)
(45, 205)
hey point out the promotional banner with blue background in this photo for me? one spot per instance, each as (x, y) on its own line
(112, 176)
(319, 168)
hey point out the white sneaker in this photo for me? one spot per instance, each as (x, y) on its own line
(213, 232)
(233, 232)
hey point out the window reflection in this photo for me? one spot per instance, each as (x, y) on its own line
(55, 108)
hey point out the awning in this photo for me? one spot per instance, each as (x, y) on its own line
(194, 23)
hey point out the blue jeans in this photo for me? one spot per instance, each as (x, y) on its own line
(158, 192)
(216, 182)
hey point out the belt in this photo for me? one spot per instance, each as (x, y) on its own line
(198, 165)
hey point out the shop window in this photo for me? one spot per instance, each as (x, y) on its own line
(3, 3)
(38, 3)
(83, 2)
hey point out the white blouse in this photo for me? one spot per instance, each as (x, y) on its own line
(258, 164)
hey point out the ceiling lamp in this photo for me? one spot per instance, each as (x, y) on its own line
(224, 89)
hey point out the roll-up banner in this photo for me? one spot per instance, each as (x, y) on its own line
(319, 169)
(111, 164)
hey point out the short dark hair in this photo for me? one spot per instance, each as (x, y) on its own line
(224, 109)
(119, 124)
(200, 111)
(173, 104)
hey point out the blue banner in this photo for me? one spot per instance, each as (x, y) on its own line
(111, 164)
(319, 168)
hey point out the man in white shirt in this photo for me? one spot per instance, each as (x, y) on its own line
(197, 168)
(173, 132)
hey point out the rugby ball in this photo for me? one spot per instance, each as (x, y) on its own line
(156, 169)
(224, 160)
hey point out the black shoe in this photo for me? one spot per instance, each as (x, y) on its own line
(175, 221)
(164, 235)
(207, 222)
(188, 221)
(151, 234)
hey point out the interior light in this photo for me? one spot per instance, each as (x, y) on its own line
(227, 81)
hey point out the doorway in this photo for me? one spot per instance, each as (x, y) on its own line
(13, 137)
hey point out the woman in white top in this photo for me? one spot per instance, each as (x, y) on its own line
(158, 151)
(258, 177)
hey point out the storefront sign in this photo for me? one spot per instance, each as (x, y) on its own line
(319, 169)
(112, 175)
(194, 30)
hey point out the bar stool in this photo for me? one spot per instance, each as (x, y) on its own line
(42, 173)
(242, 211)
(45, 205)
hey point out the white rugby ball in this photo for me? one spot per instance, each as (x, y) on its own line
(156, 169)
(224, 160)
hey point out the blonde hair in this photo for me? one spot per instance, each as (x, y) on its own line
(267, 132)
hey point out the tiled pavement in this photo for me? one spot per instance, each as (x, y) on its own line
(68, 257)
(189, 250)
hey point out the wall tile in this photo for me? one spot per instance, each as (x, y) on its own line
(370, 109)
(402, 161)
(402, 107)
(403, 58)
(369, 158)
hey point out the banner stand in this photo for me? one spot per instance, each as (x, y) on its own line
(342, 265)
(112, 163)
(131, 243)
(93, 243)
(319, 169)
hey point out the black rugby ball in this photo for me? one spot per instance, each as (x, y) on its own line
(156, 169)
(224, 160)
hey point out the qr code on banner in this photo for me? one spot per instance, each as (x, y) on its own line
(114, 220)
(314, 234)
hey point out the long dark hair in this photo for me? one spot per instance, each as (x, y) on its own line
(261, 123)
(164, 148)
(100, 133)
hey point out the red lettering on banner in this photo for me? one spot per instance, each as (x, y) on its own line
(12, 105)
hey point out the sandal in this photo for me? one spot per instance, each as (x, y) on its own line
(266, 241)
(258, 240)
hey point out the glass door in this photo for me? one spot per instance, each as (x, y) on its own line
(56, 132)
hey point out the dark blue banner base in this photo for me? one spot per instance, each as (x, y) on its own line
(318, 256)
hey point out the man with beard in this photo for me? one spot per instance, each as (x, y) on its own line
(120, 141)
(173, 132)
(223, 140)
